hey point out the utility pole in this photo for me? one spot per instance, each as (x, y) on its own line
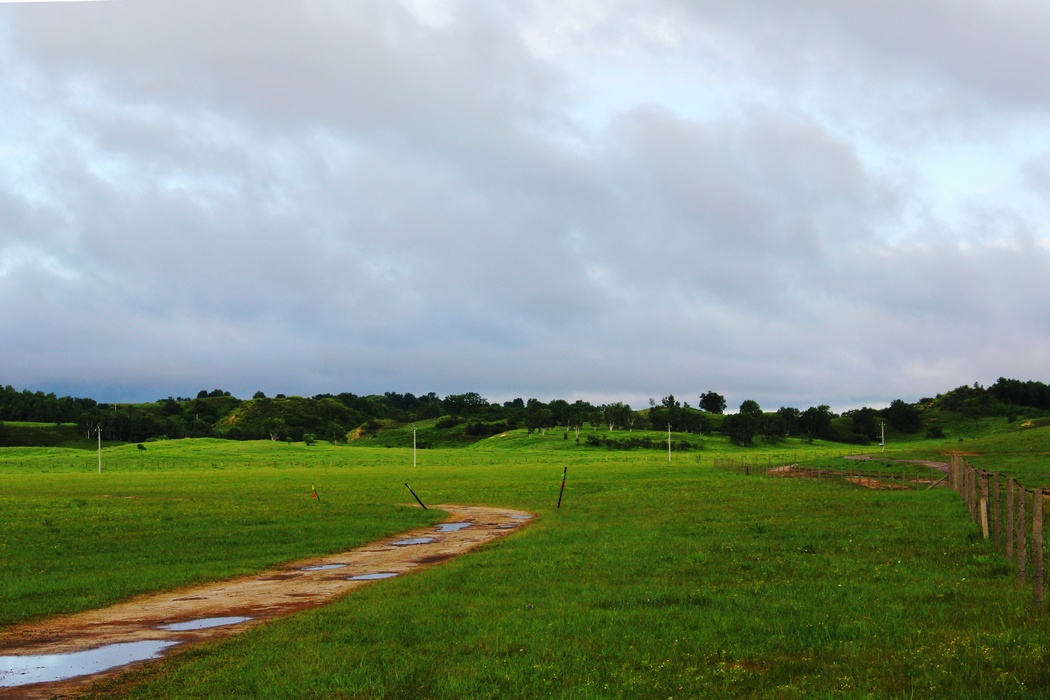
(99, 431)
(882, 442)
(668, 442)
(413, 447)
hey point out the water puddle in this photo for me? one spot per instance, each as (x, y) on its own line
(413, 540)
(323, 567)
(452, 527)
(371, 577)
(45, 668)
(203, 623)
(521, 517)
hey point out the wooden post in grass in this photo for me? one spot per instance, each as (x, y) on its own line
(974, 501)
(984, 503)
(1037, 547)
(997, 512)
(1022, 527)
(564, 472)
(1010, 510)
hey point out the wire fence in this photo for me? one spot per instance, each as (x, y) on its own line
(1009, 515)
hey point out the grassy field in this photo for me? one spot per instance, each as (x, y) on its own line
(654, 579)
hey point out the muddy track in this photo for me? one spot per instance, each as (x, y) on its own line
(260, 597)
(940, 466)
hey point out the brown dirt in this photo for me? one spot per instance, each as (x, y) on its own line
(262, 596)
(941, 466)
(794, 471)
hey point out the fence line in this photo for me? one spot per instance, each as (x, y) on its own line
(1024, 553)
(1019, 538)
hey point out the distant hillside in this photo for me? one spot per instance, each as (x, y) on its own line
(464, 419)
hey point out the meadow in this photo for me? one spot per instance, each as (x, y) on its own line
(654, 579)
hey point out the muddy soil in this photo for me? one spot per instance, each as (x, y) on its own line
(261, 597)
(940, 466)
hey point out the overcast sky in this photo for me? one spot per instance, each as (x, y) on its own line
(798, 203)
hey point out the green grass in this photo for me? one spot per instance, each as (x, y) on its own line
(653, 580)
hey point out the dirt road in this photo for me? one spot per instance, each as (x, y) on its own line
(239, 603)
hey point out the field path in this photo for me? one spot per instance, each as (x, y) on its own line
(261, 597)
(940, 466)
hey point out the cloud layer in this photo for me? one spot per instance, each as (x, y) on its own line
(820, 203)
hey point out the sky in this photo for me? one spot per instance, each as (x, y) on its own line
(802, 203)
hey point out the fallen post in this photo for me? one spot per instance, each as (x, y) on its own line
(415, 496)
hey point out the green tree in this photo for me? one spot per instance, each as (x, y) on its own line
(790, 416)
(903, 416)
(712, 402)
(865, 422)
(276, 428)
(538, 418)
(751, 408)
(816, 421)
(740, 428)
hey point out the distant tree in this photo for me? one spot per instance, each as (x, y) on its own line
(616, 415)
(712, 402)
(170, 407)
(816, 421)
(866, 422)
(740, 428)
(791, 417)
(560, 409)
(309, 438)
(276, 428)
(538, 418)
(903, 416)
(774, 427)
(5, 435)
(751, 408)
(464, 404)
(258, 395)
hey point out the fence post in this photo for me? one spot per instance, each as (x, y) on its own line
(1022, 527)
(1010, 509)
(997, 514)
(984, 503)
(1037, 547)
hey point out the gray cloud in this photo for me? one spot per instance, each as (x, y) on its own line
(306, 199)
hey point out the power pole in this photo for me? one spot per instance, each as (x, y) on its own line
(413, 447)
(668, 442)
(99, 431)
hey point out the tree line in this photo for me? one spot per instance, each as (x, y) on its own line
(332, 417)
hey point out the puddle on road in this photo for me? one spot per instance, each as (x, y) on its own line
(45, 668)
(323, 567)
(371, 577)
(203, 623)
(521, 517)
(413, 540)
(452, 527)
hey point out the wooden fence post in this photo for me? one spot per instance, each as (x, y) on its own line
(1010, 510)
(984, 503)
(997, 512)
(1022, 527)
(1037, 547)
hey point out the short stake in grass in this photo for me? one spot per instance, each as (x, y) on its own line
(415, 496)
(560, 493)
(314, 489)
